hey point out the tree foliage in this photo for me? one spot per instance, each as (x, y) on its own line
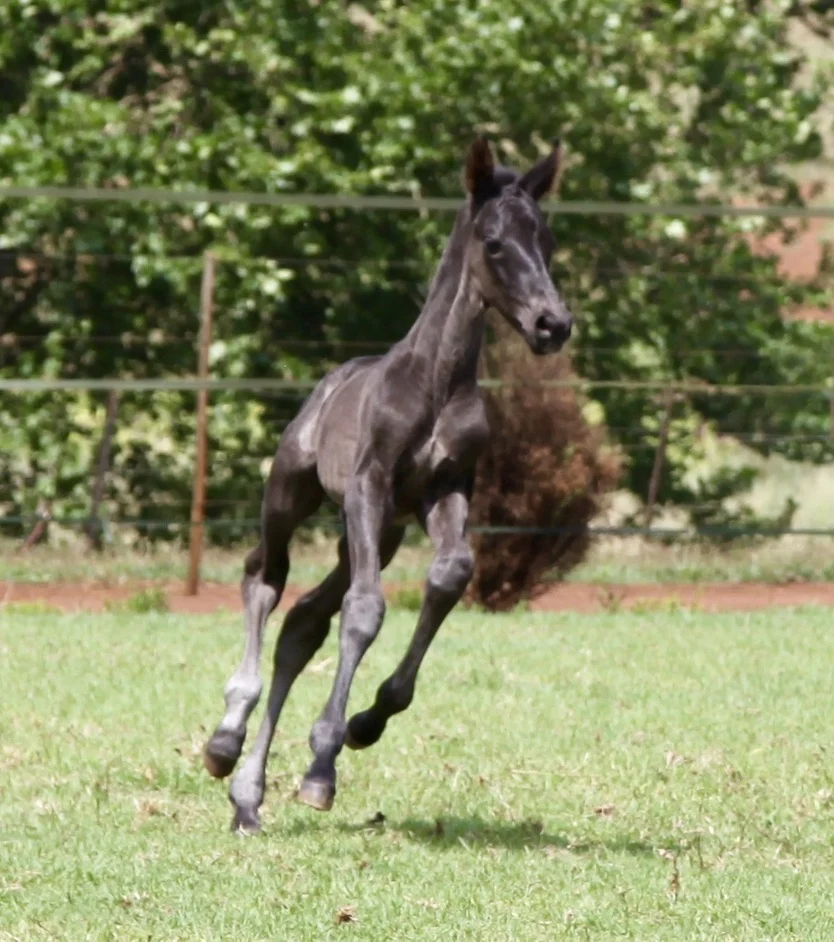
(658, 102)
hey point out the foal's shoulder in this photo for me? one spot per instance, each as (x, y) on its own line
(403, 365)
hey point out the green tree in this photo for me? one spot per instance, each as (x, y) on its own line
(659, 102)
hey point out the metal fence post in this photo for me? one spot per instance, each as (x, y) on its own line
(198, 502)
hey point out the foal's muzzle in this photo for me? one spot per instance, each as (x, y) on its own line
(551, 331)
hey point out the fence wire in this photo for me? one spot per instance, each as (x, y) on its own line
(145, 510)
(171, 514)
(398, 203)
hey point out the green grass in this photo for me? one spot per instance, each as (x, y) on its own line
(142, 602)
(636, 560)
(613, 559)
(657, 776)
(67, 560)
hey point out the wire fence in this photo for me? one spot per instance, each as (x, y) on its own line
(159, 502)
(147, 510)
(399, 203)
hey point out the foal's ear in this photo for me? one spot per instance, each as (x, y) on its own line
(541, 178)
(480, 168)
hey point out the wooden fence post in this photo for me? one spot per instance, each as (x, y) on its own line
(659, 456)
(93, 528)
(831, 397)
(39, 531)
(198, 502)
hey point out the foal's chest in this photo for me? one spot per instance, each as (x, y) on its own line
(454, 441)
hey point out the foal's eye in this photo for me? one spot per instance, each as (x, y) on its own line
(493, 246)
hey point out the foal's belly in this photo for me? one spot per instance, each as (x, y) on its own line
(336, 465)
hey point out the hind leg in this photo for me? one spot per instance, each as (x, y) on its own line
(305, 629)
(303, 632)
(244, 687)
(289, 499)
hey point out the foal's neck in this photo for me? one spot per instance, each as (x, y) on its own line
(456, 357)
(449, 331)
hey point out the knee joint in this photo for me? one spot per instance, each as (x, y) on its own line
(243, 689)
(451, 572)
(362, 613)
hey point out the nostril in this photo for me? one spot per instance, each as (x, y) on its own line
(545, 323)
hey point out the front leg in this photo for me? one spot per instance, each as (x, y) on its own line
(367, 516)
(448, 576)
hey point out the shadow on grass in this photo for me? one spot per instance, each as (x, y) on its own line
(451, 832)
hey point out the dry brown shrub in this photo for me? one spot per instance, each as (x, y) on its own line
(546, 466)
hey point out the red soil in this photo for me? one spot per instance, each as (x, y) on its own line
(567, 597)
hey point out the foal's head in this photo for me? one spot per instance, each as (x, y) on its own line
(511, 247)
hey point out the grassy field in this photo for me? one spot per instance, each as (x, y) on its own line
(67, 560)
(662, 775)
(617, 560)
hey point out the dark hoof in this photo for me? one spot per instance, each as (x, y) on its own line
(246, 821)
(221, 754)
(316, 793)
(352, 743)
(363, 731)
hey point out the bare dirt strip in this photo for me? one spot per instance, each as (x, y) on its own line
(567, 597)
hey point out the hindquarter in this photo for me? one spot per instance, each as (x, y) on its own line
(338, 435)
(317, 438)
(369, 419)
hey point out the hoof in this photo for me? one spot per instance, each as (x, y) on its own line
(246, 821)
(362, 731)
(352, 743)
(316, 793)
(221, 754)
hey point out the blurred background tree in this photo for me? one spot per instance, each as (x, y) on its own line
(658, 102)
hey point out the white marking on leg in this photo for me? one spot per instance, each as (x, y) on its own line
(243, 689)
